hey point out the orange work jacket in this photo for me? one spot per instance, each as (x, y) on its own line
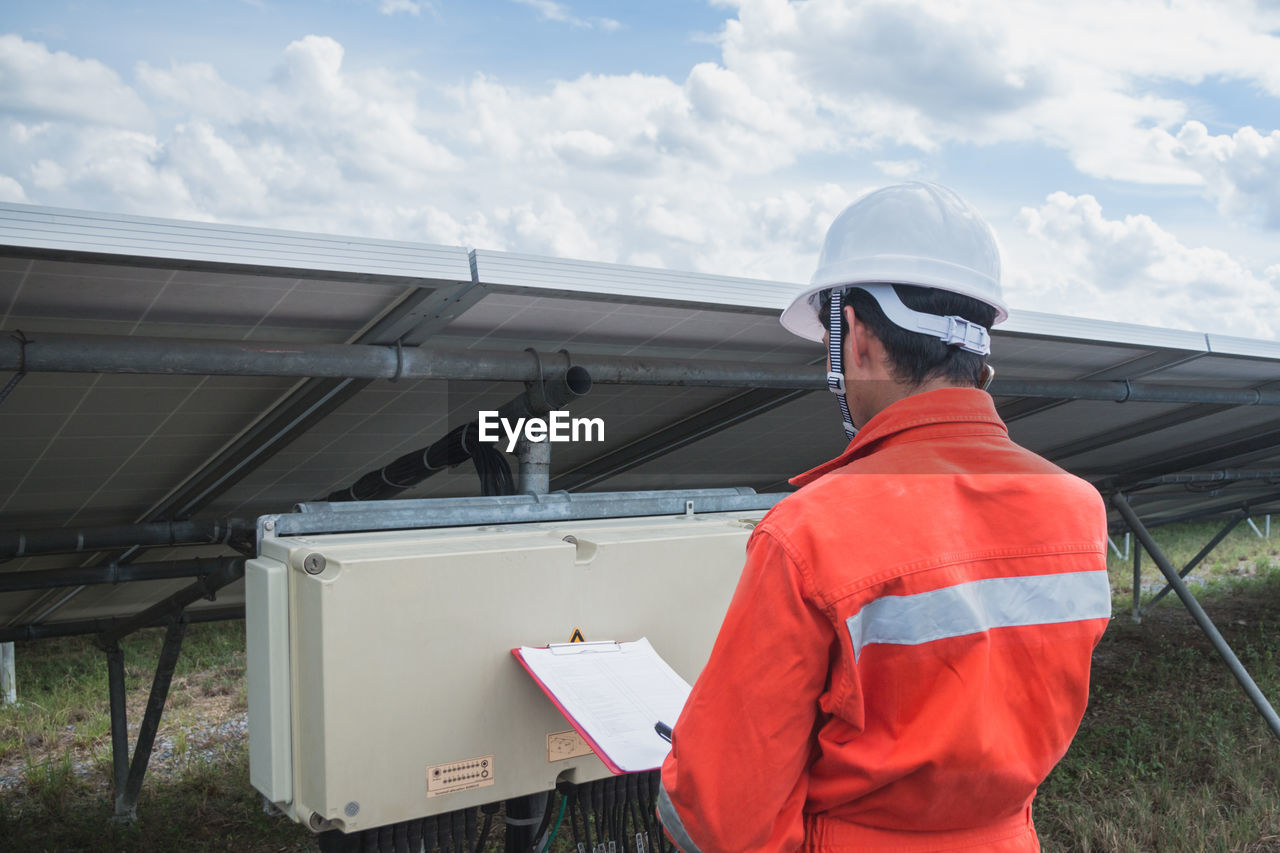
(906, 656)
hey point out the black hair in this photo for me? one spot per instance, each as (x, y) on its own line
(914, 357)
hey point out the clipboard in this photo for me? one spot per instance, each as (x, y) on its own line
(612, 694)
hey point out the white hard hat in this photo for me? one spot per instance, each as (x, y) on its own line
(915, 233)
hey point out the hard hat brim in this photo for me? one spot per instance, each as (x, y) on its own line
(801, 316)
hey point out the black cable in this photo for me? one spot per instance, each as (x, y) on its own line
(460, 831)
(469, 831)
(575, 811)
(543, 824)
(415, 835)
(489, 809)
(444, 832)
(588, 795)
(633, 805)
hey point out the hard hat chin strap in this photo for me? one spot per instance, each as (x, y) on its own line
(951, 330)
(835, 350)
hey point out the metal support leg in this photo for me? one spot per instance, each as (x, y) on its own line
(1195, 561)
(8, 676)
(1197, 612)
(119, 719)
(523, 814)
(1261, 535)
(1137, 583)
(127, 798)
(535, 466)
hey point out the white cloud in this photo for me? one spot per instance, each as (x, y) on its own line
(1241, 172)
(11, 190)
(925, 73)
(411, 7)
(37, 83)
(549, 10)
(725, 169)
(195, 88)
(1076, 261)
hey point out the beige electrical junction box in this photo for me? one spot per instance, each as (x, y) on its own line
(382, 687)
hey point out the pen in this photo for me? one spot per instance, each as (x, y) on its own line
(663, 730)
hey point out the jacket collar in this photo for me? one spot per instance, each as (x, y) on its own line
(942, 406)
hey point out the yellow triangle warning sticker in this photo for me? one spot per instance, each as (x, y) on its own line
(577, 636)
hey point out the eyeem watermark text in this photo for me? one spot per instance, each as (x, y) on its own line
(557, 426)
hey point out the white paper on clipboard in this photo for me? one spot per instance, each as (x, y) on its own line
(613, 693)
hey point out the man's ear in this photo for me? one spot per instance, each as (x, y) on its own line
(858, 341)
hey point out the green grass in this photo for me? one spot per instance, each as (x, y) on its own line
(1171, 756)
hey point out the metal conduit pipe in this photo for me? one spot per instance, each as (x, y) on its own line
(176, 356)
(1210, 630)
(52, 352)
(1226, 475)
(1123, 391)
(31, 543)
(80, 627)
(1250, 505)
(114, 573)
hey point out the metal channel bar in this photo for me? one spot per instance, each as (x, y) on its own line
(119, 716)
(205, 587)
(113, 573)
(127, 797)
(81, 627)
(511, 509)
(1218, 509)
(1197, 612)
(1195, 561)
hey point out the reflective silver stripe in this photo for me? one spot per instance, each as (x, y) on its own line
(969, 608)
(671, 821)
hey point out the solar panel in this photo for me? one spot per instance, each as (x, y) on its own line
(86, 449)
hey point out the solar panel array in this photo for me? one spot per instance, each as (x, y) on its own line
(86, 449)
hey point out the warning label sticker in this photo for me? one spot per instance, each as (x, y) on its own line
(562, 745)
(459, 776)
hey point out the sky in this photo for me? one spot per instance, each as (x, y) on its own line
(1126, 152)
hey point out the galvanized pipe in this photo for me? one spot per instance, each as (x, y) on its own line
(1195, 561)
(1132, 392)
(1137, 583)
(53, 352)
(8, 675)
(1197, 612)
(534, 475)
(1226, 475)
(60, 353)
(113, 573)
(31, 543)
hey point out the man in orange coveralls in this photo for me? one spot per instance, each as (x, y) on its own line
(907, 653)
